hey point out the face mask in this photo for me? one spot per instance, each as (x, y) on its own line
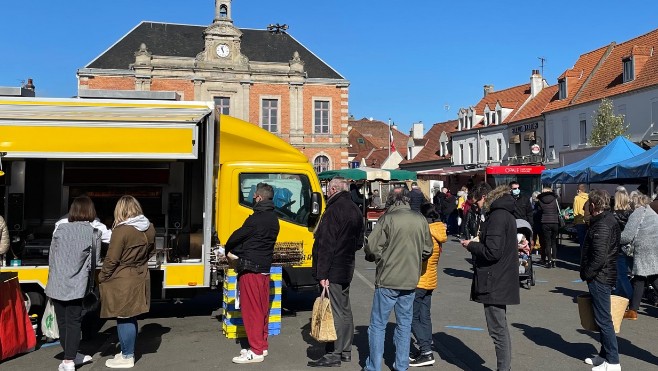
(516, 192)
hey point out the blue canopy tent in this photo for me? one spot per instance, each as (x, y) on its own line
(644, 165)
(618, 150)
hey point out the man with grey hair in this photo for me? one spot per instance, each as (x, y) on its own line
(398, 244)
(339, 235)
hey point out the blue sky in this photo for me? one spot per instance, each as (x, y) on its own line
(406, 60)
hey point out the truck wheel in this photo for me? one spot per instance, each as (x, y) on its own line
(36, 302)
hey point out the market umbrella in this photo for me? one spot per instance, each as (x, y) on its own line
(361, 173)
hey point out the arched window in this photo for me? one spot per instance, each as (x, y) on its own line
(321, 163)
(223, 11)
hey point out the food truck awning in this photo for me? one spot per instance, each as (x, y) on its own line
(100, 128)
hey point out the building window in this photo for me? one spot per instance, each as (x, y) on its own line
(223, 11)
(562, 85)
(565, 132)
(321, 163)
(583, 129)
(360, 141)
(270, 113)
(223, 105)
(461, 154)
(444, 149)
(629, 71)
(500, 149)
(487, 151)
(471, 157)
(499, 113)
(321, 117)
(493, 118)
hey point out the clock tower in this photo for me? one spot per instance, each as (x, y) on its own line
(222, 40)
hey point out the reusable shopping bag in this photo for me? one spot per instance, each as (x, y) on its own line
(322, 320)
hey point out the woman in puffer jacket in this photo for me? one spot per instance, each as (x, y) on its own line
(421, 325)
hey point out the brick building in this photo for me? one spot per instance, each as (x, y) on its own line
(265, 77)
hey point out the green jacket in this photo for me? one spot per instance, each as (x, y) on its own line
(399, 244)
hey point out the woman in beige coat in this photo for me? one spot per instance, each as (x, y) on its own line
(124, 278)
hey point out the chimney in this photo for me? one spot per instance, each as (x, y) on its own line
(30, 85)
(417, 131)
(536, 83)
(488, 89)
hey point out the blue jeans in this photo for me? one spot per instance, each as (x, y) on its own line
(127, 331)
(623, 286)
(383, 302)
(581, 232)
(421, 325)
(601, 305)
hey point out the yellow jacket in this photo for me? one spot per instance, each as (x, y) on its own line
(428, 277)
(578, 212)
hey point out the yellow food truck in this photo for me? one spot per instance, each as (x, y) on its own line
(193, 171)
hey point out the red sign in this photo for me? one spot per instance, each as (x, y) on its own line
(515, 170)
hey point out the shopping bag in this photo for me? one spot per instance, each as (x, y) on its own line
(618, 306)
(322, 320)
(49, 322)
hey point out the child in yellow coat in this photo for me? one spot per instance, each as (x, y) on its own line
(421, 325)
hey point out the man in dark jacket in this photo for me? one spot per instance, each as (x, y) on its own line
(548, 206)
(253, 244)
(416, 197)
(337, 238)
(450, 211)
(523, 207)
(598, 267)
(439, 200)
(496, 278)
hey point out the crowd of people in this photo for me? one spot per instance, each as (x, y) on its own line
(616, 235)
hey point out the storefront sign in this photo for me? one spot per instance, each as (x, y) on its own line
(535, 149)
(523, 128)
(515, 170)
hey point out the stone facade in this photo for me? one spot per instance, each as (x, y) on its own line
(222, 70)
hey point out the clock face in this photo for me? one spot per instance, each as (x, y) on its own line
(222, 50)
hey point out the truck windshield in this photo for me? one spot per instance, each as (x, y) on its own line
(292, 194)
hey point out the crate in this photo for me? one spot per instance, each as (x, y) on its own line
(232, 325)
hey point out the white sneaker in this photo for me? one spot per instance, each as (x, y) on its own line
(82, 359)
(248, 357)
(265, 353)
(70, 366)
(605, 366)
(594, 361)
(120, 362)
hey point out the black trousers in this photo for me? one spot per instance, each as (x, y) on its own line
(69, 320)
(548, 240)
(639, 283)
(339, 296)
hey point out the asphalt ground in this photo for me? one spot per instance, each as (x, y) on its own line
(545, 329)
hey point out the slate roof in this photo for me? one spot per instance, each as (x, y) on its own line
(375, 136)
(431, 150)
(177, 40)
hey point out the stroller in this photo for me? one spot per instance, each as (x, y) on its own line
(526, 269)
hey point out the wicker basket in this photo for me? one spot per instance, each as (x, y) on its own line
(618, 306)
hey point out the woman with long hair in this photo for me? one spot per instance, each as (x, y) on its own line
(70, 265)
(124, 279)
(622, 210)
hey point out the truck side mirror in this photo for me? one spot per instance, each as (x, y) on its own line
(316, 199)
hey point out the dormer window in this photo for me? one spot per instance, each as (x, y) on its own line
(493, 118)
(562, 86)
(629, 70)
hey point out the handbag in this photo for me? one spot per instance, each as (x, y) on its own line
(322, 320)
(560, 218)
(91, 300)
(629, 249)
